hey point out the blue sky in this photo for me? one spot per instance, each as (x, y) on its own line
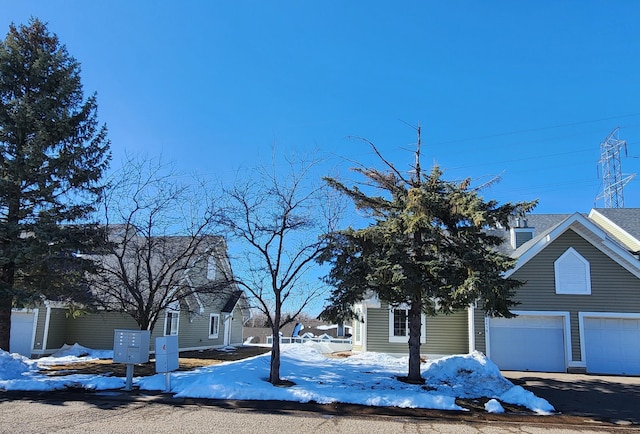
(523, 89)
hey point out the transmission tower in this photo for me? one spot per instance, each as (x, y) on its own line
(613, 181)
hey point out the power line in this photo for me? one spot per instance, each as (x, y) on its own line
(531, 130)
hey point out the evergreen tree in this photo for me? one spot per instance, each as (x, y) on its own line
(52, 156)
(427, 249)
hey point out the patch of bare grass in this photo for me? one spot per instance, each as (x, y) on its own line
(188, 361)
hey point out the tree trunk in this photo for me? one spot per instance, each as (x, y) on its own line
(415, 330)
(274, 372)
(6, 303)
(7, 274)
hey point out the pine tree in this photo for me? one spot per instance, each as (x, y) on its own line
(427, 249)
(52, 156)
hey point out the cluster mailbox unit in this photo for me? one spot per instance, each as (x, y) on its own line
(131, 347)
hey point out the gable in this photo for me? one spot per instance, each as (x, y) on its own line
(613, 287)
(585, 229)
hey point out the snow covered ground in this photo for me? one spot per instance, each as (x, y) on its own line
(368, 378)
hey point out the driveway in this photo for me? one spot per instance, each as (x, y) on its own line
(603, 398)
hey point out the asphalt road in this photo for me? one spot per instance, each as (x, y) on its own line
(124, 412)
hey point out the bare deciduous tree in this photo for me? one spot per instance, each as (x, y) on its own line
(278, 219)
(161, 234)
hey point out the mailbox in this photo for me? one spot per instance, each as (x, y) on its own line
(131, 346)
(167, 354)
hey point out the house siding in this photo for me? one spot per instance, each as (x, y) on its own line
(193, 331)
(446, 334)
(607, 278)
(96, 330)
(237, 327)
(57, 329)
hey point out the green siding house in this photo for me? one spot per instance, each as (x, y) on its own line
(579, 309)
(201, 320)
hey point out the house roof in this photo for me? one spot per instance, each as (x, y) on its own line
(622, 223)
(232, 301)
(549, 227)
(627, 219)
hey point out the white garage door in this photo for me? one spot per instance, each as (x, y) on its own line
(528, 343)
(21, 333)
(612, 345)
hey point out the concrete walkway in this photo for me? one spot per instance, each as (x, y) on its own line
(612, 399)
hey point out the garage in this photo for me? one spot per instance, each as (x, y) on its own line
(528, 343)
(22, 323)
(612, 345)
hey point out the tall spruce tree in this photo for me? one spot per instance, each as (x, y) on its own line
(427, 248)
(52, 156)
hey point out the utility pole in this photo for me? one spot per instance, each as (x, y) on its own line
(613, 181)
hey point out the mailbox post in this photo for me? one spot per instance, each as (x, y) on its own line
(131, 347)
(167, 357)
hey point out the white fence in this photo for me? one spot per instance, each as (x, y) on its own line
(323, 344)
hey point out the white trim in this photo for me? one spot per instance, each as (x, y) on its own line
(55, 304)
(358, 324)
(610, 248)
(559, 269)
(514, 231)
(583, 315)
(568, 355)
(45, 334)
(215, 335)
(227, 329)
(471, 327)
(365, 319)
(487, 335)
(35, 327)
(405, 339)
(166, 318)
(623, 235)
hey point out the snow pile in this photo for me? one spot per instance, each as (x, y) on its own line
(520, 396)
(19, 373)
(473, 375)
(493, 406)
(74, 353)
(13, 366)
(366, 378)
(466, 376)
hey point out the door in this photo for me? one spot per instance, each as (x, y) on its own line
(528, 343)
(612, 345)
(22, 326)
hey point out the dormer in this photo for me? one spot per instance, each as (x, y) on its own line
(520, 232)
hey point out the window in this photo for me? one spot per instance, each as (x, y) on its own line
(214, 325)
(400, 322)
(572, 273)
(399, 325)
(171, 323)
(212, 268)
